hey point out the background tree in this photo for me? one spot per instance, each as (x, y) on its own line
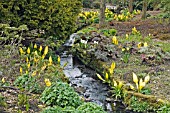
(102, 13)
(144, 9)
(130, 6)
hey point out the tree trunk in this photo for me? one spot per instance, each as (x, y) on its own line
(144, 9)
(102, 13)
(131, 6)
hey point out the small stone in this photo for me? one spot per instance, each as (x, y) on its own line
(1, 73)
(96, 39)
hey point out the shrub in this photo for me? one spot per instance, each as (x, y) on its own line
(11, 35)
(166, 6)
(56, 17)
(61, 94)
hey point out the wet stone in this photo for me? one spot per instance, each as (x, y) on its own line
(73, 73)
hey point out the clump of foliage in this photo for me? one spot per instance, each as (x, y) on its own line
(84, 108)
(88, 17)
(2, 101)
(135, 31)
(108, 32)
(36, 65)
(23, 100)
(90, 108)
(138, 106)
(27, 82)
(56, 17)
(57, 109)
(164, 109)
(60, 94)
(117, 89)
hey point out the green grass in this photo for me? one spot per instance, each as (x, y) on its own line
(136, 38)
(164, 45)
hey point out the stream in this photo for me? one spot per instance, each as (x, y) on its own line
(86, 83)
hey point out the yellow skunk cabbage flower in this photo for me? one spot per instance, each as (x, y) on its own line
(106, 76)
(35, 46)
(35, 60)
(123, 49)
(132, 87)
(110, 71)
(28, 65)
(36, 53)
(20, 69)
(34, 73)
(43, 56)
(100, 77)
(27, 60)
(145, 44)
(141, 85)
(135, 78)
(112, 67)
(120, 84)
(58, 59)
(3, 80)
(127, 36)
(114, 83)
(46, 50)
(50, 60)
(147, 78)
(114, 40)
(21, 51)
(134, 30)
(26, 72)
(28, 50)
(40, 49)
(139, 45)
(43, 68)
(47, 82)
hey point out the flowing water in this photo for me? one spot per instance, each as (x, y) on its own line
(85, 82)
